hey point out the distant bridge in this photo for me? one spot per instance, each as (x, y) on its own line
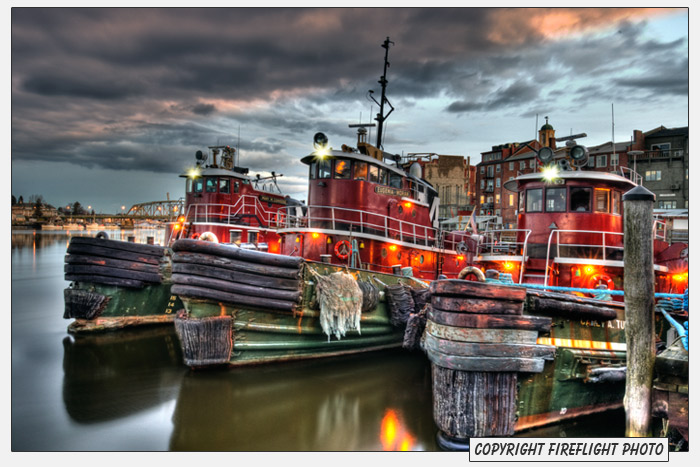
(168, 209)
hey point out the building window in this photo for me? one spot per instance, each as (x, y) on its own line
(481, 183)
(511, 200)
(591, 162)
(498, 182)
(511, 166)
(555, 199)
(532, 163)
(522, 165)
(652, 175)
(498, 198)
(667, 204)
(481, 199)
(482, 170)
(614, 160)
(489, 171)
(601, 161)
(498, 212)
(498, 168)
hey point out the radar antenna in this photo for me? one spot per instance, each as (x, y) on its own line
(380, 118)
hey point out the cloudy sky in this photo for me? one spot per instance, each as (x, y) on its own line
(110, 105)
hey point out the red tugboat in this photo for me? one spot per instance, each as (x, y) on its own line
(570, 230)
(225, 205)
(366, 210)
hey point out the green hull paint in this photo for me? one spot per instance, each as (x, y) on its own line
(264, 336)
(126, 307)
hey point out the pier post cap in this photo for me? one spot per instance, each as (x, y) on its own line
(639, 193)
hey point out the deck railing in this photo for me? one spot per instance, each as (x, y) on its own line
(504, 242)
(356, 220)
(610, 246)
(245, 206)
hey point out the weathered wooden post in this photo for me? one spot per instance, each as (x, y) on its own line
(639, 309)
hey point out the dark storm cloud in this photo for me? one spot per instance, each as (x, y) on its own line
(127, 88)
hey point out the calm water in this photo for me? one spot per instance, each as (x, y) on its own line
(128, 390)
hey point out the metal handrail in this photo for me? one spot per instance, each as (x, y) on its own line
(604, 245)
(496, 235)
(389, 227)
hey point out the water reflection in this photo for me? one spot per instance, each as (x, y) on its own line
(113, 375)
(329, 405)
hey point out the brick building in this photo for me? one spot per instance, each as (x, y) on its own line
(454, 178)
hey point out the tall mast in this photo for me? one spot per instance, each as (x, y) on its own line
(383, 81)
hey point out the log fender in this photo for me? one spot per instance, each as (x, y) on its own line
(236, 265)
(504, 351)
(237, 288)
(469, 320)
(232, 298)
(477, 305)
(206, 341)
(549, 306)
(462, 288)
(233, 252)
(139, 248)
(81, 304)
(485, 364)
(468, 404)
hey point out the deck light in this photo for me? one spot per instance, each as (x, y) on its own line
(589, 269)
(392, 247)
(508, 266)
(549, 173)
(181, 219)
(315, 234)
(407, 204)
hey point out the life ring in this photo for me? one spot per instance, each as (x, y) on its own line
(595, 280)
(101, 234)
(343, 249)
(209, 237)
(472, 270)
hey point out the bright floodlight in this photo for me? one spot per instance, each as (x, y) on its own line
(550, 173)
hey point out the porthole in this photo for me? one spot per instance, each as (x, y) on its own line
(384, 253)
(421, 259)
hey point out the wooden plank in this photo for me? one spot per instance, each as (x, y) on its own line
(472, 349)
(571, 310)
(471, 320)
(234, 252)
(495, 364)
(515, 336)
(462, 288)
(477, 305)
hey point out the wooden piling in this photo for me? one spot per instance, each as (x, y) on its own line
(639, 309)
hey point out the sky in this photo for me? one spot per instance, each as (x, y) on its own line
(109, 106)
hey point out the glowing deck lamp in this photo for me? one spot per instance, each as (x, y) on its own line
(407, 204)
(392, 247)
(193, 173)
(549, 173)
(315, 235)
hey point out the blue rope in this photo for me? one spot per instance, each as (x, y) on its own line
(557, 288)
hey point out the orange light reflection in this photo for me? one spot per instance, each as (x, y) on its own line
(393, 434)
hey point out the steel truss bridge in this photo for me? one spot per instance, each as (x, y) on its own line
(168, 209)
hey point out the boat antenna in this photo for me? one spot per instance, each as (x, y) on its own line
(383, 81)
